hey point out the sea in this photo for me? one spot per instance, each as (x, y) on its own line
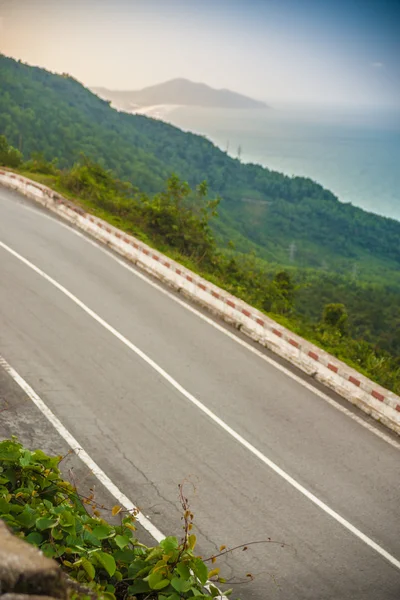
(354, 152)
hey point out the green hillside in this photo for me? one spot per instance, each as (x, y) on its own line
(344, 256)
(261, 209)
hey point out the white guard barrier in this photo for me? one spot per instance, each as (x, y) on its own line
(373, 399)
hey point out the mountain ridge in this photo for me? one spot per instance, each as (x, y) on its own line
(56, 115)
(178, 91)
(343, 254)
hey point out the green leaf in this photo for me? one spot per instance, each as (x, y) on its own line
(139, 587)
(161, 584)
(67, 519)
(106, 561)
(91, 539)
(136, 568)
(72, 540)
(183, 570)
(122, 541)
(126, 556)
(9, 451)
(34, 538)
(157, 581)
(52, 551)
(108, 596)
(214, 591)
(26, 458)
(180, 585)
(102, 532)
(89, 568)
(156, 553)
(45, 523)
(169, 544)
(5, 507)
(58, 534)
(27, 518)
(16, 509)
(200, 570)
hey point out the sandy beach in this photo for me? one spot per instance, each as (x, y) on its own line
(158, 111)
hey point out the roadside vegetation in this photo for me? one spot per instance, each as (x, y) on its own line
(106, 560)
(290, 221)
(358, 323)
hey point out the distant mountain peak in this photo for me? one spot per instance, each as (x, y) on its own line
(178, 91)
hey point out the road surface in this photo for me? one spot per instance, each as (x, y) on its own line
(148, 437)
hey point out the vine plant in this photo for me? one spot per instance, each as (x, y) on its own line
(48, 512)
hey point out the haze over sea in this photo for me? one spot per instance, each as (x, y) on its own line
(353, 152)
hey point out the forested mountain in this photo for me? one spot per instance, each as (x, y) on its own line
(261, 210)
(178, 91)
(341, 283)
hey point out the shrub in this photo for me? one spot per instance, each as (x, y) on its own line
(48, 512)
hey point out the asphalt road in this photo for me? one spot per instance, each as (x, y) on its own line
(148, 437)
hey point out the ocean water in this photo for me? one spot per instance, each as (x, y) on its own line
(354, 153)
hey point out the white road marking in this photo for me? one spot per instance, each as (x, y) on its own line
(361, 421)
(84, 456)
(241, 440)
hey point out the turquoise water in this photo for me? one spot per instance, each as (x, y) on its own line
(354, 153)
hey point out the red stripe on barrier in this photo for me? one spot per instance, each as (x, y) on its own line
(260, 322)
(126, 240)
(189, 278)
(354, 380)
(377, 395)
(167, 264)
(230, 303)
(156, 257)
(202, 286)
(215, 294)
(118, 235)
(332, 367)
(135, 245)
(313, 355)
(276, 332)
(246, 312)
(294, 343)
(398, 408)
(178, 271)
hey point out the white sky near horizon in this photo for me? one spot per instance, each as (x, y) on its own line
(288, 50)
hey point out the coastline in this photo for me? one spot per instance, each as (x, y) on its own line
(157, 111)
(355, 159)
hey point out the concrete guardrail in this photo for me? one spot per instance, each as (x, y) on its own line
(373, 399)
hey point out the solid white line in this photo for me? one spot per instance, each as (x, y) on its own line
(83, 455)
(309, 386)
(324, 507)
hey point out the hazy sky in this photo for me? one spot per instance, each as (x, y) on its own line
(342, 51)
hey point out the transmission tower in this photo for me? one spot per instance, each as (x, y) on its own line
(292, 251)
